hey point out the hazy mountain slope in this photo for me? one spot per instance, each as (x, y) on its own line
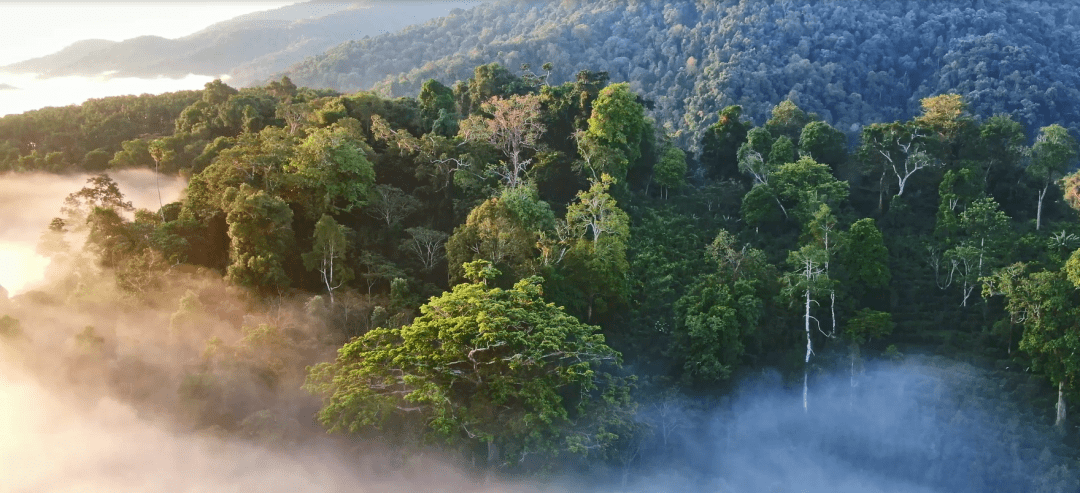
(249, 47)
(852, 62)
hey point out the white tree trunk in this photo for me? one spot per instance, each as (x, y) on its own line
(1038, 212)
(1060, 421)
(809, 351)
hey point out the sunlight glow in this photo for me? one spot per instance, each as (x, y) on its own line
(20, 267)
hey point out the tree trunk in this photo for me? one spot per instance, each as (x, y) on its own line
(493, 454)
(1038, 212)
(809, 350)
(1060, 421)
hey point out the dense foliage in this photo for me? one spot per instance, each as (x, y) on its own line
(852, 63)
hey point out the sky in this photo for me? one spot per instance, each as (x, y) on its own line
(34, 29)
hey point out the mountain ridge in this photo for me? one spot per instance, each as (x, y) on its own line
(259, 44)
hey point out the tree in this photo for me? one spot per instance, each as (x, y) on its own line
(378, 268)
(896, 148)
(946, 115)
(328, 254)
(670, 171)
(514, 126)
(867, 324)
(787, 119)
(504, 231)
(782, 152)
(426, 244)
(617, 126)
(1001, 142)
(754, 154)
(982, 245)
(391, 204)
(481, 365)
(720, 311)
(823, 143)
(807, 279)
(101, 192)
(260, 236)
(437, 106)
(133, 154)
(797, 189)
(864, 255)
(1051, 156)
(160, 153)
(333, 170)
(1047, 303)
(720, 145)
(597, 258)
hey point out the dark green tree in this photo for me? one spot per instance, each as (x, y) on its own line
(260, 238)
(823, 143)
(720, 145)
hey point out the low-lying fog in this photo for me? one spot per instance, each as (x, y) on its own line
(24, 92)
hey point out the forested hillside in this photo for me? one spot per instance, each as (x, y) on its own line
(524, 275)
(850, 62)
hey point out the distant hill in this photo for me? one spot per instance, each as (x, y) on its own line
(248, 48)
(851, 62)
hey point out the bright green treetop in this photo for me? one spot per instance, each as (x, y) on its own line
(617, 123)
(481, 364)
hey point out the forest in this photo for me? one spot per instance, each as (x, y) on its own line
(527, 276)
(850, 62)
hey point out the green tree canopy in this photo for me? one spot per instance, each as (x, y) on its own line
(1054, 151)
(481, 365)
(721, 143)
(670, 171)
(617, 124)
(823, 143)
(260, 236)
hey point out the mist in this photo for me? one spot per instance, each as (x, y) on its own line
(29, 201)
(28, 92)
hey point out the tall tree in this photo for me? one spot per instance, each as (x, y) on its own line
(328, 255)
(1051, 156)
(720, 311)
(617, 126)
(1047, 304)
(982, 244)
(807, 279)
(332, 169)
(787, 120)
(823, 143)
(427, 245)
(596, 261)
(482, 365)
(670, 171)
(260, 237)
(720, 145)
(513, 126)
